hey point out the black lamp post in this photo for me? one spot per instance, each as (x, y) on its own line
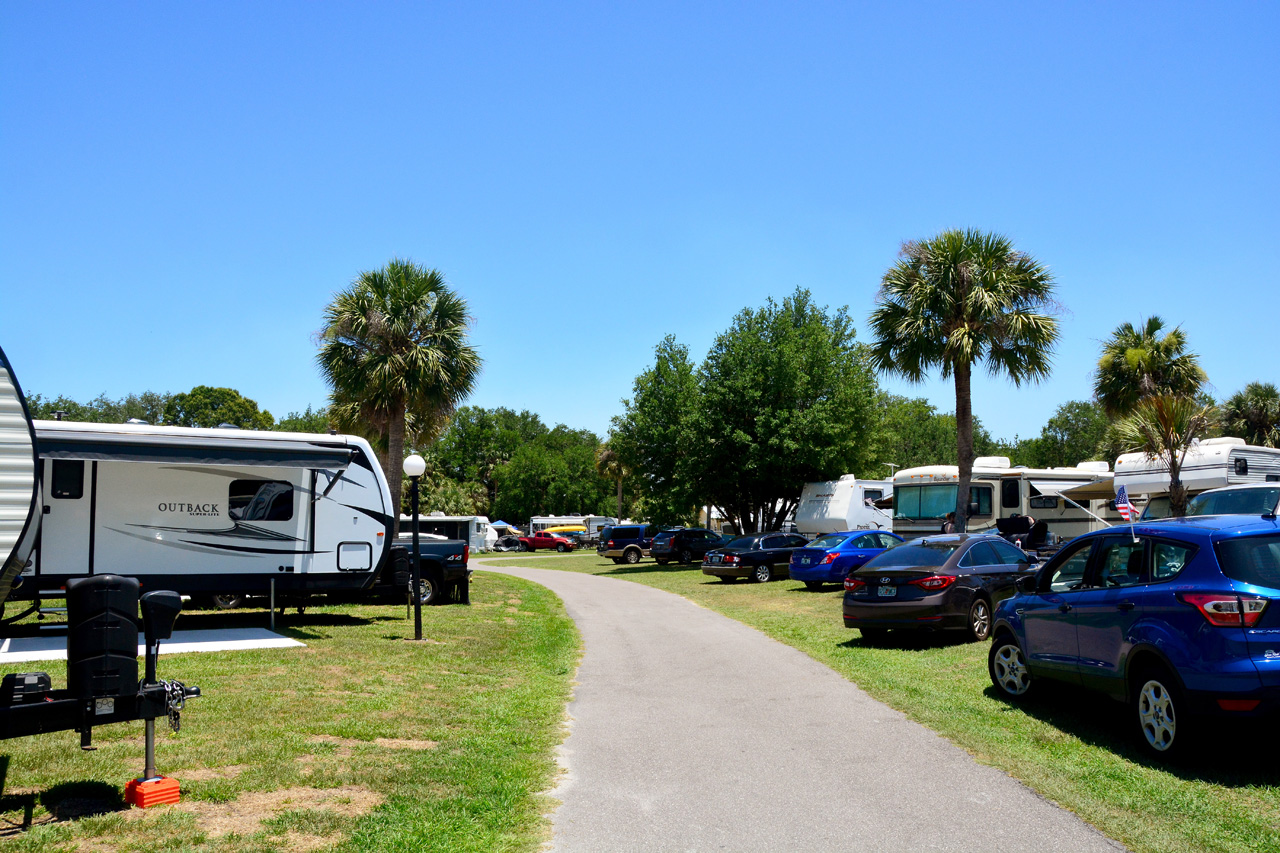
(414, 467)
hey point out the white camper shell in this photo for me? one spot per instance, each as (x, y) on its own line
(472, 529)
(205, 511)
(1209, 464)
(836, 505)
(923, 496)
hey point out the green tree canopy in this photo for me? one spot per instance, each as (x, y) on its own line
(147, 406)
(395, 343)
(785, 397)
(1073, 435)
(960, 300)
(650, 437)
(312, 420)
(1163, 427)
(554, 474)
(208, 407)
(1253, 414)
(1144, 361)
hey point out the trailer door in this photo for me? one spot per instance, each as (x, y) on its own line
(65, 530)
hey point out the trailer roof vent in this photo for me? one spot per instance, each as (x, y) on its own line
(134, 421)
(225, 425)
(991, 462)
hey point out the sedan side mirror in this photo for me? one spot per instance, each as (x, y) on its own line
(1027, 584)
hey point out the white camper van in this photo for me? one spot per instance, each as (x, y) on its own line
(204, 511)
(472, 529)
(836, 505)
(1209, 464)
(923, 496)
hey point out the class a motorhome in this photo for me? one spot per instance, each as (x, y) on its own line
(207, 511)
(923, 496)
(472, 529)
(833, 506)
(1210, 463)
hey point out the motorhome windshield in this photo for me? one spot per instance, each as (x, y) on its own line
(1235, 502)
(935, 501)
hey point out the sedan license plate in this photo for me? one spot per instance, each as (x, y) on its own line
(887, 591)
(804, 561)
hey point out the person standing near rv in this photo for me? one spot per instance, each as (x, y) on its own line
(949, 523)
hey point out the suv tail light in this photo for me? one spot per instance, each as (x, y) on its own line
(610, 543)
(852, 584)
(934, 582)
(1227, 611)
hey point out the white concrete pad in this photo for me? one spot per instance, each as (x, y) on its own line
(21, 649)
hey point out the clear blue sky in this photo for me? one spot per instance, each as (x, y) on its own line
(184, 185)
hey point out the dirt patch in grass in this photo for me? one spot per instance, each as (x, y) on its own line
(245, 814)
(384, 742)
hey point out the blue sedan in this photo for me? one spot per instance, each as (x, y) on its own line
(1178, 618)
(831, 556)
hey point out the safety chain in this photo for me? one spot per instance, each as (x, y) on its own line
(176, 693)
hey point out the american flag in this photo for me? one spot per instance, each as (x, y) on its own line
(1122, 504)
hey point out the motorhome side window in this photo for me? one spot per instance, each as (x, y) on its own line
(67, 479)
(260, 500)
(1010, 494)
(872, 494)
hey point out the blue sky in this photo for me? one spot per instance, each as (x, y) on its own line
(184, 186)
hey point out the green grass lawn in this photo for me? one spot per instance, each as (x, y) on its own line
(362, 740)
(1073, 748)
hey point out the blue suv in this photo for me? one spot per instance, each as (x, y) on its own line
(1178, 618)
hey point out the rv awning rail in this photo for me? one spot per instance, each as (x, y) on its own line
(175, 450)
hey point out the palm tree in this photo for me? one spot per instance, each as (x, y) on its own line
(1254, 414)
(394, 347)
(1163, 427)
(609, 465)
(1141, 362)
(960, 299)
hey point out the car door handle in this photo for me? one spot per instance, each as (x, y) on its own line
(1126, 606)
(1064, 607)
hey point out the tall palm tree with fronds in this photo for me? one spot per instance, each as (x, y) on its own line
(1163, 426)
(393, 348)
(1143, 361)
(1254, 414)
(958, 300)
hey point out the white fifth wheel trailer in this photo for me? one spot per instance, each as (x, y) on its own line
(1209, 464)
(923, 496)
(207, 511)
(837, 505)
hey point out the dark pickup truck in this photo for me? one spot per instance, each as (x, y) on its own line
(445, 576)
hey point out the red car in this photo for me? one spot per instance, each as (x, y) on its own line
(542, 539)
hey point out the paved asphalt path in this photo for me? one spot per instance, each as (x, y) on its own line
(693, 732)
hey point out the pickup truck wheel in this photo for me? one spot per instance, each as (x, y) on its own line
(632, 556)
(524, 547)
(562, 548)
(428, 591)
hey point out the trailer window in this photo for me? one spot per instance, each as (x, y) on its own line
(260, 500)
(68, 479)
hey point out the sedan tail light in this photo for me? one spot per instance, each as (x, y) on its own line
(1227, 611)
(852, 584)
(830, 558)
(731, 558)
(934, 582)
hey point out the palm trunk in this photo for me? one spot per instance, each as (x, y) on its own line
(619, 499)
(1177, 489)
(394, 463)
(964, 445)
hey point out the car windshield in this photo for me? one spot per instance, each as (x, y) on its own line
(830, 540)
(1238, 502)
(1255, 560)
(743, 542)
(915, 554)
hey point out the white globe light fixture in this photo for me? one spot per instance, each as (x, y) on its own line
(415, 466)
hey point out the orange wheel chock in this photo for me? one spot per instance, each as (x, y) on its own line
(145, 793)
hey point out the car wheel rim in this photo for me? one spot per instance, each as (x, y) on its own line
(1011, 672)
(762, 574)
(1156, 715)
(980, 619)
(686, 557)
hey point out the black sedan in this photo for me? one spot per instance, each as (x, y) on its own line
(758, 556)
(937, 582)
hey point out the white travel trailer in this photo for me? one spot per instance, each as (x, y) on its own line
(472, 529)
(923, 496)
(836, 505)
(1209, 464)
(207, 511)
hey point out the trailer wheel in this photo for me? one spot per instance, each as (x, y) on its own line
(228, 601)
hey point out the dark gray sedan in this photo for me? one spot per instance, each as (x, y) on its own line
(949, 581)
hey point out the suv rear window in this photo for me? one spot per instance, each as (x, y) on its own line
(624, 533)
(1254, 560)
(664, 536)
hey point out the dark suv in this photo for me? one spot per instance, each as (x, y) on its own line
(626, 543)
(684, 545)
